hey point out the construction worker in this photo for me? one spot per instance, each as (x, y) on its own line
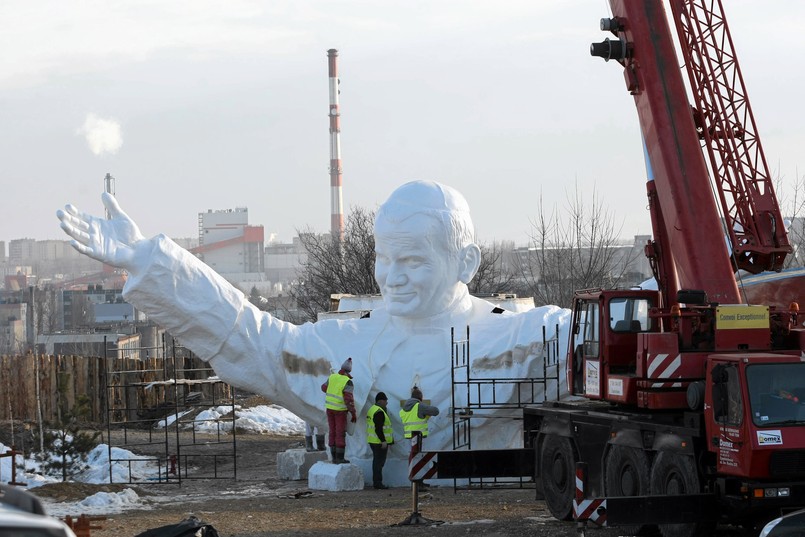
(379, 435)
(338, 402)
(415, 415)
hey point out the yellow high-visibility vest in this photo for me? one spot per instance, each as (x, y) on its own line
(334, 399)
(412, 422)
(371, 434)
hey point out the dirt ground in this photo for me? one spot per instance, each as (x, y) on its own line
(258, 504)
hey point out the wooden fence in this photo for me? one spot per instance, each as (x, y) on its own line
(62, 379)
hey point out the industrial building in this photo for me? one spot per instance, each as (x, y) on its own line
(230, 246)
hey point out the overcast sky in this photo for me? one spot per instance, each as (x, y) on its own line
(197, 105)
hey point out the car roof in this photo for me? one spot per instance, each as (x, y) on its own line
(11, 517)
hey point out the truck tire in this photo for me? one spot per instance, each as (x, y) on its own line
(674, 473)
(626, 473)
(558, 471)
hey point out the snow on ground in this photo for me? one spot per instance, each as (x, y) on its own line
(262, 419)
(100, 503)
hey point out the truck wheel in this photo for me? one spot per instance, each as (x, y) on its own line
(673, 473)
(558, 471)
(626, 473)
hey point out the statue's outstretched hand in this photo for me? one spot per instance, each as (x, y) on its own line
(112, 241)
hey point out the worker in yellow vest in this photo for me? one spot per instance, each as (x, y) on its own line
(380, 437)
(339, 401)
(414, 414)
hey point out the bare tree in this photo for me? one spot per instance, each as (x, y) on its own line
(45, 309)
(335, 266)
(792, 206)
(496, 273)
(572, 250)
(82, 312)
(257, 299)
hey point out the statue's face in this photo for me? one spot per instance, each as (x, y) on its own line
(414, 269)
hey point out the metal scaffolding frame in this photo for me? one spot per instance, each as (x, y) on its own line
(152, 409)
(475, 398)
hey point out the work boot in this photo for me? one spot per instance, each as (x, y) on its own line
(340, 454)
(308, 443)
(319, 442)
(380, 486)
(333, 455)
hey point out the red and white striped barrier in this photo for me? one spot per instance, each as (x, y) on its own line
(421, 465)
(594, 510)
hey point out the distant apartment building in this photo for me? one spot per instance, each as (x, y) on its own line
(94, 306)
(230, 246)
(2, 252)
(50, 259)
(13, 327)
(283, 262)
(21, 250)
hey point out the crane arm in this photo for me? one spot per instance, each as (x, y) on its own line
(728, 133)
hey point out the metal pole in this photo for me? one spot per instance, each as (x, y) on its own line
(415, 518)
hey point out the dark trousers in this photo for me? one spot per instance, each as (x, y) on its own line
(378, 461)
(337, 421)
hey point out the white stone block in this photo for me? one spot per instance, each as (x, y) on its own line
(294, 464)
(335, 477)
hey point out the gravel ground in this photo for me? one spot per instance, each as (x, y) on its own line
(258, 504)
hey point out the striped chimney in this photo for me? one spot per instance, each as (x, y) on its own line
(336, 195)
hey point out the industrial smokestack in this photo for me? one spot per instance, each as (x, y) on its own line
(336, 195)
(109, 186)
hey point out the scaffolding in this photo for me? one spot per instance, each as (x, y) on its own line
(476, 398)
(155, 407)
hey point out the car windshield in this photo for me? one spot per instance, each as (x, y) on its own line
(777, 393)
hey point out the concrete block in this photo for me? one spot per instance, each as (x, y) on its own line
(335, 477)
(294, 464)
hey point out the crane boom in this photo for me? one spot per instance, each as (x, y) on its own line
(726, 127)
(696, 250)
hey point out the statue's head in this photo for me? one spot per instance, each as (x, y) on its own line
(426, 254)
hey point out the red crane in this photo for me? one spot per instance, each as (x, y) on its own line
(689, 248)
(726, 126)
(690, 402)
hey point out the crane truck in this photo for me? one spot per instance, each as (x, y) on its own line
(690, 401)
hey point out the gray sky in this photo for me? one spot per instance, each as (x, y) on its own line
(213, 105)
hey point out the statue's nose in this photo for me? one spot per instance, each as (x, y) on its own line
(396, 275)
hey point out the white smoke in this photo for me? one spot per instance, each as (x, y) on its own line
(103, 135)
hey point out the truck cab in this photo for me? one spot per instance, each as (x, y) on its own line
(602, 355)
(754, 412)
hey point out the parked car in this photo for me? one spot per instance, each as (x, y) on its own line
(22, 515)
(790, 525)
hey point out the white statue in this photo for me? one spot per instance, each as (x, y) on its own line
(425, 258)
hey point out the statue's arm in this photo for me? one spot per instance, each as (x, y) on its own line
(247, 347)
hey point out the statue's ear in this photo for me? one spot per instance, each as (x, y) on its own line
(470, 260)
